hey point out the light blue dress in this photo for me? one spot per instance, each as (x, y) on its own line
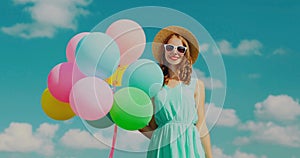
(176, 116)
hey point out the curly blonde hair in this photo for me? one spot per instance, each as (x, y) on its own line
(185, 66)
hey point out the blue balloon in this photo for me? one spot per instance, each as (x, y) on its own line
(144, 74)
(98, 55)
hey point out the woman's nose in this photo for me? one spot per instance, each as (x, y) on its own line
(175, 52)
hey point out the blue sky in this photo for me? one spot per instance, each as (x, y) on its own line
(259, 42)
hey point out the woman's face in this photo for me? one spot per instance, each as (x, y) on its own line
(172, 55)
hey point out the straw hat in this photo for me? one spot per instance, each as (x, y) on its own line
(157, 45)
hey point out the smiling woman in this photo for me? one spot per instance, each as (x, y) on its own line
(179, 120)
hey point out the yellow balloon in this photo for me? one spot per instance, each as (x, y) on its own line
(55, 109)
(116, 78)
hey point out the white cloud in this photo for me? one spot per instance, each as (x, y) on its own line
(254, 76)
(276, 123)
(241, 140)
(209, 82)
(225, 47)
(48, 16)
(218, 153)
(125, 138)
(245, 47)
(204, 47)
(239, 154)
(279, 108)
(102, 139)
(269, 132)
(220, 116)
(47, 130)
(279, 51)
(75, 138)
(19, 137)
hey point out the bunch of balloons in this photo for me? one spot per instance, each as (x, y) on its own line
(97, 63)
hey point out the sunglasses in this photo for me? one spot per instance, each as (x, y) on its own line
(170, 47)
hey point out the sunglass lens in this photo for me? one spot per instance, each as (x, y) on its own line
(181, 49)
(169, 47)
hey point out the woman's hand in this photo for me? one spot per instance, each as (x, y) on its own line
(148, 130)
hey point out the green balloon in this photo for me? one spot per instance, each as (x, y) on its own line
(104, 122)
(144, 74)
(132, 108)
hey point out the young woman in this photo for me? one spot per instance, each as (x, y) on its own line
(178, 128)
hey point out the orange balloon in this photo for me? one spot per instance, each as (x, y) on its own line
(55, 109)
(116, 78)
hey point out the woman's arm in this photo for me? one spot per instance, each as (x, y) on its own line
(201, 124)
(148, 130)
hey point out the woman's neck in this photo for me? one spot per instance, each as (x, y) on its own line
(173, 72)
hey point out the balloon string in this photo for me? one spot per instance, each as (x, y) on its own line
(111, 154)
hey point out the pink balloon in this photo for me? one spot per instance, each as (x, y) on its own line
(61, 78)
(72, 45)
(130, 38)
(91, 98)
